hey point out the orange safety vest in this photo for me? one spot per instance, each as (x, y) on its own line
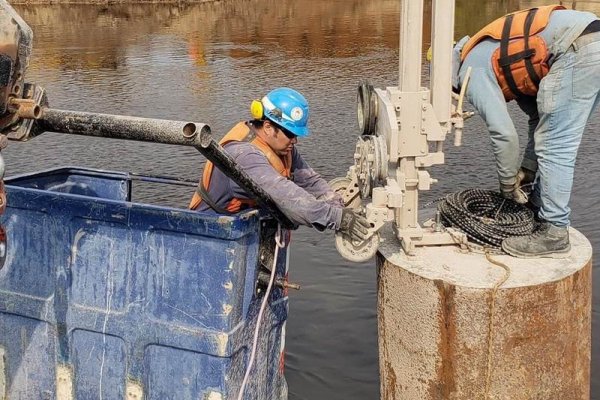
(521, 61)
(243, 133)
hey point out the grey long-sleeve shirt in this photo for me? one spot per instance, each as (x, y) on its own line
(485, 94)
(307, 199)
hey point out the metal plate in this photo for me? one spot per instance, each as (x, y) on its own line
(351, 197)
(356, 251)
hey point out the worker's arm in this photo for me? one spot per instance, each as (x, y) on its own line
(485, 95)
(296, 203)
(312, 182)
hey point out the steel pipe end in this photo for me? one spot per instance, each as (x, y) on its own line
(189, 130)
(205, 136)
(35, 112)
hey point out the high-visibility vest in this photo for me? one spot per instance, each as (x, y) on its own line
(521, 61)
(243, 133)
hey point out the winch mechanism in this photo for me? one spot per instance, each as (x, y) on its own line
(401, 133)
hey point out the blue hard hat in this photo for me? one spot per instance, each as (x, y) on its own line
(288, 109)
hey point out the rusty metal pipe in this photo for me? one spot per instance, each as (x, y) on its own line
(184, 133)
(26, 108)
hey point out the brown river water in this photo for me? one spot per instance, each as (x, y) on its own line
(205, 63)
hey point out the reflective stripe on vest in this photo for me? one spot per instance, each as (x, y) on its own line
(242, 133)
(521, 60)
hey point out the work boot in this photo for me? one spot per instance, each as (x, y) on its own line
(547, 241)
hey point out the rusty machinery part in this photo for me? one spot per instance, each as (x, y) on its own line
(15, 50)
(349, 191)
(366, 108)
(20, 122)
(371, 162)
(356, 251)
(25, 108)
(281, 283)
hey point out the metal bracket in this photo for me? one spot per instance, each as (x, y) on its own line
(411, 239)
(22, 125)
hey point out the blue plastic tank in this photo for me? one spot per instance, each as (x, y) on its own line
(104, 298)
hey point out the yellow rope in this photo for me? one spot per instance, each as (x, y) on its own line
(501, 281)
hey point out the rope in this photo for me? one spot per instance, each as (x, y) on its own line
(492, 312)
(501, 281)
(279, 244)
(485, 216)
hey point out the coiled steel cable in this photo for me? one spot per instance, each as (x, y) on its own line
(485, 216)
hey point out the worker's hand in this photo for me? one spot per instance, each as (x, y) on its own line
(525, 177)
(354, 225)
(513, 192)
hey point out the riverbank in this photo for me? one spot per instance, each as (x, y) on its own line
(108, 2)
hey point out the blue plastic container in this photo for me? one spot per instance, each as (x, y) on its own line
(102, 298)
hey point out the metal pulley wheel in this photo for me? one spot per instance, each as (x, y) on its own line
(350, 195)
(371, 162)
(356, 251)
(366, 108)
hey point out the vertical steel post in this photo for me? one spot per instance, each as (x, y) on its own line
(411, 33)
(442, 35)
(409, 84)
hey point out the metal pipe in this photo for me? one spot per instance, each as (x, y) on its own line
(122, 127)
(159, 131)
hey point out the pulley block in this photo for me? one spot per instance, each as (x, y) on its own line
(366, 104)
(371, 163)
(356, 251)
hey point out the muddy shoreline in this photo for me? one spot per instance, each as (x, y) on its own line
(107, 2)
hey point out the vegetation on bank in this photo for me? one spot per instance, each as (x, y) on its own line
(107, 2)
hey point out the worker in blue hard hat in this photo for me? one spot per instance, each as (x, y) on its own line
(548, 60)
(264, 148)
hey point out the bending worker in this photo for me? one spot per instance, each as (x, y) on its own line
(265, 149)
(548, 60)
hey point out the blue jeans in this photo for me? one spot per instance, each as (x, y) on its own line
(565, 100)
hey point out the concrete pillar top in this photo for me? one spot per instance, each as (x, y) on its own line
(472, 269)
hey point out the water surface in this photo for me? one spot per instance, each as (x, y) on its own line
(206, 63)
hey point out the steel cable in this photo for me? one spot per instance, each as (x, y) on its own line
(485, 216)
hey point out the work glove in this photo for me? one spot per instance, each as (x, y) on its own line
(513, 192)
(525, 177)
(354, 225)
